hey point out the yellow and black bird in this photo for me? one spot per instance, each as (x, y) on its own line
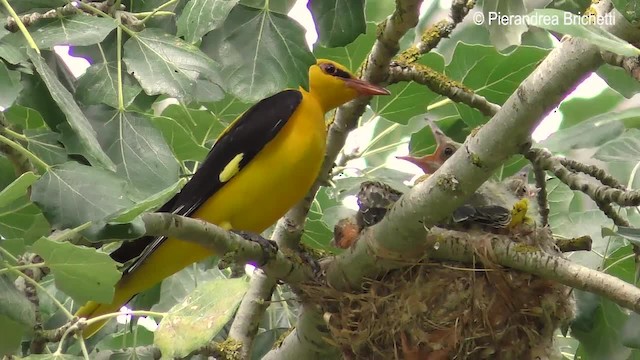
(260, 166)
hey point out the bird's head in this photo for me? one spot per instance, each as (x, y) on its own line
(445, 148)
(333, 85)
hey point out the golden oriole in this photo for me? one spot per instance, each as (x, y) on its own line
(494, 205)
(260, 166)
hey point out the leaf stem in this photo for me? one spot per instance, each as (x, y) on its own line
(6, 253)
(119, 62)
(19, 148)
(16, 135)
(23, 29)
(145, 14)
(118, 313)
(69, 233)
(24, 267)
(156, 10)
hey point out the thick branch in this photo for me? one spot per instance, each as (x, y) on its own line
(279, 265)
(505, 134)
(254, 303)
(307, 341)
(459, 246)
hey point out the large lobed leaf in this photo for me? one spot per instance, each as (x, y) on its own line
(192, 323)
(201, 16)
(165, 64)
(80, 137)
(81, 272)
(338, 22)
(262, 52)
(137, 148)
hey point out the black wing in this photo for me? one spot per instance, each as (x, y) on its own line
(251, 132)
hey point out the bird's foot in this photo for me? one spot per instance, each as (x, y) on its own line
(269, 247)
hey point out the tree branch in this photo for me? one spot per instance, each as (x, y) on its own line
(432, 36)
(307, 341)
(461, 246)
(280, 265)
(442, 85)
(598, 193)
(630, 64)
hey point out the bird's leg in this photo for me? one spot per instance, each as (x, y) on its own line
(269, 247)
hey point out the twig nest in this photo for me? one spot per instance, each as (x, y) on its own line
(445, 310)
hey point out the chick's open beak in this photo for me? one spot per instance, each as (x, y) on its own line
(366, 88)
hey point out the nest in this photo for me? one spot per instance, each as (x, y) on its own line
(445, 310)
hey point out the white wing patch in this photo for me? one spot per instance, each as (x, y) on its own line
(231, 169)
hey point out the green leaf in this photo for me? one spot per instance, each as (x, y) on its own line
(490, 74)
(99, 85)
(201, 16)
(24, 117)
(180, 140)
(629, 233)
(81, 272)
(129, 353)
(72, 194)
(279, 6)
(140, 153)
(75, 30)
(45, 144)
(261, 51)
(352, 55)
(590, 133)
(408, 99)
(22, 219)
(21, 6)
(504, 35)
(178, 286)
(577, 110)
(17, 189)
(631, 331)
(140, 337)
(38, 97)
(83, 139)
(152, 202)
(14, 305)
(600, 325)
(557, 21)
(625, 148)
(12, 54)
(204, 125)
(165, 64)
(11, 86)
(629, 8)
(619, 80)
(338, 22)
(317, 234)
(12, 333)
(192, 323)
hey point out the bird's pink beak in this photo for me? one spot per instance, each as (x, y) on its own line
(365, 88)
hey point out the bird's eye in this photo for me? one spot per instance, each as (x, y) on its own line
(329, 69)
(448, 151)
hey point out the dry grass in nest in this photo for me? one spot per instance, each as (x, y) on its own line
(445, 310)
